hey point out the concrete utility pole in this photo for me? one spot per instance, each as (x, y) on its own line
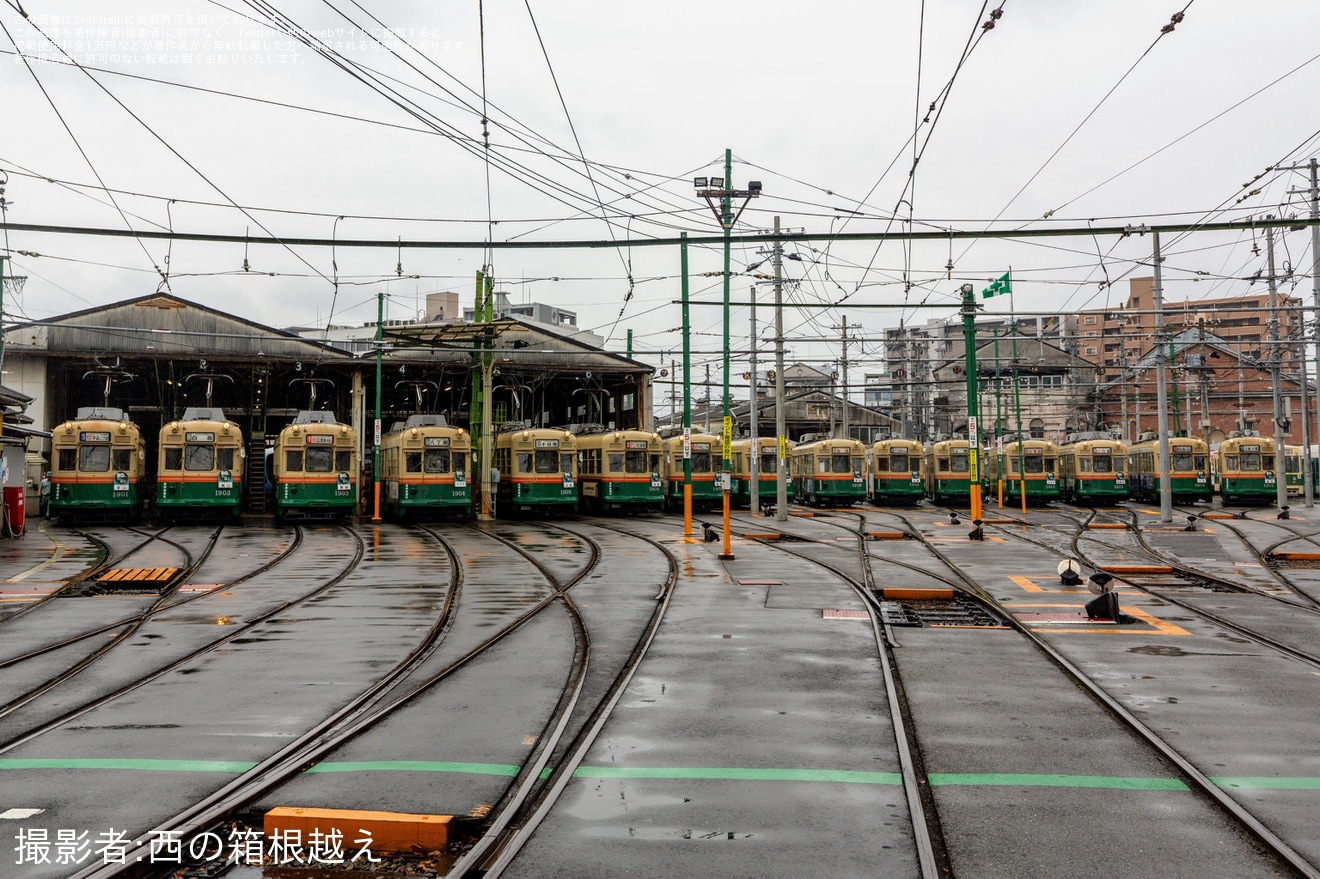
(1161, 393)
(843, 431)
(1280, 423)
(781, 428)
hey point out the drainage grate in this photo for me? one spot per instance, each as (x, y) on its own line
(957, 612)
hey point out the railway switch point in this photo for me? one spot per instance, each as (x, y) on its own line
(953, 519)
(708, 533)
(977, 533)
(1283, 512)
(1191, 523)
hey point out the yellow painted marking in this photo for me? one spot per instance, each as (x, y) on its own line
(1151, 512)
(1026, 584)
(995, 539)
(529, 740)
(1164, 628)
(1029, 585)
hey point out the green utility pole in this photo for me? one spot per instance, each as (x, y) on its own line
(999, 426)
(973, 405)
(375, 458)
(687, 395)
(710, 189)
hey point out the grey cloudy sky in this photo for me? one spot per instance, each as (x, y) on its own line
(820, 102)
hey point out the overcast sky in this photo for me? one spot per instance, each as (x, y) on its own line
(1082, 109)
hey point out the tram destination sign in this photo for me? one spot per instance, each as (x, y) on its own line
(320, 439)
(634, 444)
(199, 436)
(547, 444)
(435, 441)
(94, 436)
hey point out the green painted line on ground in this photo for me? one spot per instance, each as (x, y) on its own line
(742, 774)
(416, 766)
(114, 763)
(996, 779)
(837, 776)
(1263, 783)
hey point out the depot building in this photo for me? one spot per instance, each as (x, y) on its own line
(155, 356)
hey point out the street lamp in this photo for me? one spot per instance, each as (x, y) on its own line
(724, 214)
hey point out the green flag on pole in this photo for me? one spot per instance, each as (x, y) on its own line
(1002, 284)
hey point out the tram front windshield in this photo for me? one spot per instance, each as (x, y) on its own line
(547, 461)
(199, 457)
(898, 462)
(959, 463)
(1249, 461)
(635, 462)
(1182, 461)
(1102, 463)
(93, 459)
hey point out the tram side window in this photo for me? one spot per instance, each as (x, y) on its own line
(412, 462)
(437, 460)
(174, 458)
(319, 460)
(857, 466)
(68, 459)
(524, 462)
(566, 462)
(881, 465)
(1049, 465)
(343, 460)
(293, 461)
(1200, 462)
(1266, 462)
(93, 459)
(224, 459)
(199, 457)
(460, 462)
(616, 462)
(1230, 462)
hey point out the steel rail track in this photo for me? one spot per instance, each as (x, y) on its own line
(73, 639)
(1201, 782)
(238, 630)
(130, 626)
(930, 858)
